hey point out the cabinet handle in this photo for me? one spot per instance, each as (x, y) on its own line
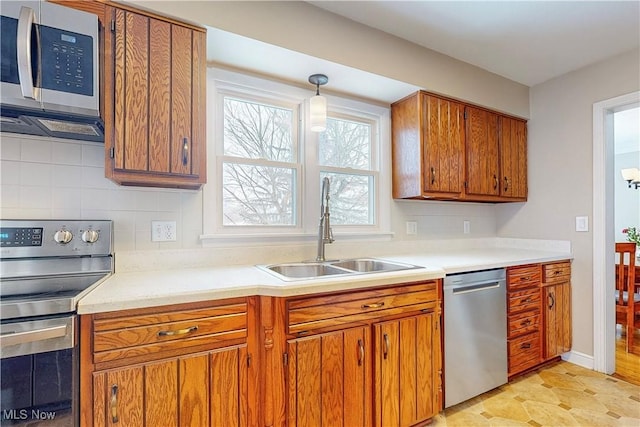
(495, 182)
(526, 322)
(525, 345)
(525, 278)
(385, 351)
(374, 305)
(557, 272)
(360, 352)
(185, 151)
(506, 183)
(177, 332)
(433, 175)
(527, 300)
(114, 403)
(551, 300)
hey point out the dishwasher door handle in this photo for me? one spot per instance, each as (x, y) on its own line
(476, 287)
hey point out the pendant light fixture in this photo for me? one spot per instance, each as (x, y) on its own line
(318, 104)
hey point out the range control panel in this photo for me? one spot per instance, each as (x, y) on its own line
(47, 238)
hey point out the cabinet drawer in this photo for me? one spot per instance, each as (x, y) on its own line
(524, 352)
(332, 310)
(523, 277)
(556, 272)
(127, 336)
(528, 299)
(523, 323)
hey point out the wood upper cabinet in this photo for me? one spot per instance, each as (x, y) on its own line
(186, 365)
(513, 157)
(556, 298)
(154, 78)
(445, 149)
(428, 147)
(483, 173)
(407, 371)
(329, 381)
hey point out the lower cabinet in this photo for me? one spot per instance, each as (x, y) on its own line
(329, 381)
(556, 297)
(406, 370)
(378, 365)
(206, 389)
(180, 365)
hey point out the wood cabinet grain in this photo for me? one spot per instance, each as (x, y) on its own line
(451, 150)
(154, 113)
(190, 381)
(556, 297)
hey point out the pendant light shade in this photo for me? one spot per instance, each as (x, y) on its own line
(318, 104)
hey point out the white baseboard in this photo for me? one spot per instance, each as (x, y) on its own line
(580, 359)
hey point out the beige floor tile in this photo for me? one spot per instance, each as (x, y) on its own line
(467, 419)
(579, 399)
(506, 407)
(547, 414)
(597, 419)
(608, 385)
(560, 380)
(624, 407)
(536, 392)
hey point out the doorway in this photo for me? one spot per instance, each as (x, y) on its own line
(603, 230)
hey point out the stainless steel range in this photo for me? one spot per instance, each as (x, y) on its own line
(46, 266)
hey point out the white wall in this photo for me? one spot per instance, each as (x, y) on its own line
(560, 171)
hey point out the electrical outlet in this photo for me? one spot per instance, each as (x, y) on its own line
(412, 227)
(466, 227)
(163, 231)
(582, 223)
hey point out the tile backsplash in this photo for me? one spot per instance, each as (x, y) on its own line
(58, 178)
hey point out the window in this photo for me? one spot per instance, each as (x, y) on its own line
(346, 158)
(259, 164)
(266, 170)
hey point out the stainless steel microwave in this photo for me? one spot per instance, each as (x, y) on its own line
(49, 70)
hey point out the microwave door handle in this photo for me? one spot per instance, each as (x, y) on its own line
(25, 24)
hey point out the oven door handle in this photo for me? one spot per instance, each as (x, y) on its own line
(16, 338)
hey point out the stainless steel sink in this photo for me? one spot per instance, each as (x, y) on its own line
(314, 270)
(368, 265)
(305, 270)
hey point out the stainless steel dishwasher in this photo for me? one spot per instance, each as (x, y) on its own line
(475, 331)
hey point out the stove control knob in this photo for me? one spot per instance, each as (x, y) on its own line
(90, 236)
(63, 236)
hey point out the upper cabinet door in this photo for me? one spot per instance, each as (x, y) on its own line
(513, 157)
(483, 173)
(155, 108)
(443, 145)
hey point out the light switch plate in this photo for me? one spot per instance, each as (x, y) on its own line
(582, 223)
(412, 227)
(466, 227)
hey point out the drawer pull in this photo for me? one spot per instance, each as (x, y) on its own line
(557, 272)
(374, 305)
(360, 352)
(433, 175)
(506, 184)
(551, 300)
(525, 345)
(385, 351)
(495, 182)
(185, 151)
(527, 300)
(114, 403)
(526, 322)
(523, 278)
(177, 332)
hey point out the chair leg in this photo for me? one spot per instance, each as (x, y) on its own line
(629, 338)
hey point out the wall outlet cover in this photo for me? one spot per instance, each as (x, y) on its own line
(163, 231)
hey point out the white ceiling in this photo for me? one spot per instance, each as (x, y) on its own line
(525, 41)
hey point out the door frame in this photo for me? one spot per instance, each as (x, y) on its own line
(604, 325)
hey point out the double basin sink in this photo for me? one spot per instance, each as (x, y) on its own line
(315, 270)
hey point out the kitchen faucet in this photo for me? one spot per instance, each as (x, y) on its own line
(325, 234)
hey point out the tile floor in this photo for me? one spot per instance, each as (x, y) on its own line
(558, 395)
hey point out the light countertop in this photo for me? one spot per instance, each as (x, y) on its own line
(139, 289)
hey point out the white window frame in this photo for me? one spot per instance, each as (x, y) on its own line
(221, 81)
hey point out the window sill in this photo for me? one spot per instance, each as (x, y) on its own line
(215, 240)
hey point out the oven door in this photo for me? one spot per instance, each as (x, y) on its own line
(39, 372)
